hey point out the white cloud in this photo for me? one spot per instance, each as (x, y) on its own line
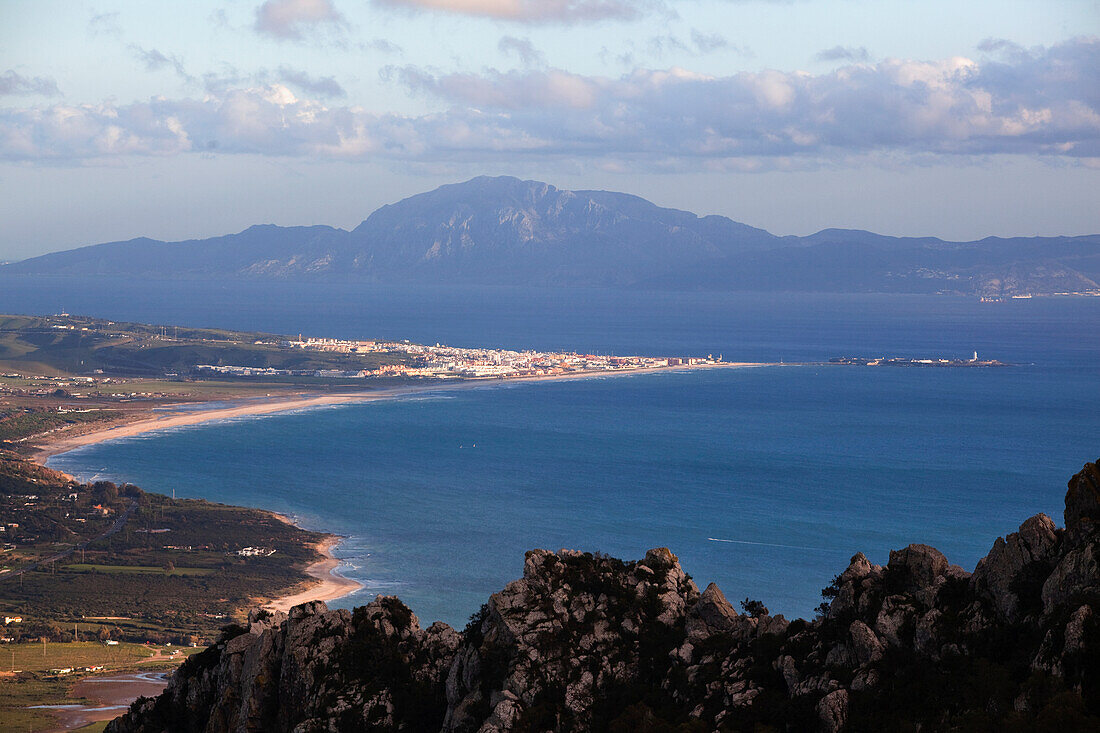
(294, 19)
(381, 45)
(318, 86)
(532, 11)
(1045, 102)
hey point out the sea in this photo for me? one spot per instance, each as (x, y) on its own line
(764, 480)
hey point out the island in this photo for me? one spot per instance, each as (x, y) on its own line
(900, 361)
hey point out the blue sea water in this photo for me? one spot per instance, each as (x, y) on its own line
(764, 480)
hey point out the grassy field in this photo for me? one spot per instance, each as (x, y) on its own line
(126, 575)
(93, 727)
(34, 423)
(41, 658)
(36, 686)
(16, 697)
(74, 344)
(89, 568)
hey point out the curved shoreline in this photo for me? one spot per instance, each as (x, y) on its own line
(146, 424)
(331, 585)
(266, 406)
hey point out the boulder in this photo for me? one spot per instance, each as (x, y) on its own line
(713, 614)
(1077, 575)
(832, 711)
(866, 647)
(1014, 564)
(1082, 512)
(918, 570)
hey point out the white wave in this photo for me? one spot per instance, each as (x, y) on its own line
(775, 544)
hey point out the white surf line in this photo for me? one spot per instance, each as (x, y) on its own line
(772, 544)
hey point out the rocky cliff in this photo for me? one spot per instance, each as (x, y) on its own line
(586, 642)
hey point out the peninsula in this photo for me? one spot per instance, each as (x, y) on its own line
(68, 381)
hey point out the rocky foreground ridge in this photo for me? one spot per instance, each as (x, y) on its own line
(587, 642)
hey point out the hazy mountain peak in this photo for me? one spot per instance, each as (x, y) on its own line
(509, 231)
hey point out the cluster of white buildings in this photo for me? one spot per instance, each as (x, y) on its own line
(255, 552)
(244, 371)
(443, 362)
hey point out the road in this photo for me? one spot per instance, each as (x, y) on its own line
(114, 529)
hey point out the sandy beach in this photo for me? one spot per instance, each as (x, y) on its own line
(146, 423)
(330, 584)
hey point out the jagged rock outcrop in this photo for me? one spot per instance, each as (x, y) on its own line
(585, 642)
(311, 670)
(1029, 552)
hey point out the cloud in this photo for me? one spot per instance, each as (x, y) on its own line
(104, 24)
(523, 49)
(659, 47)
(12, 83)
(294, 19)
(708, 42)
(155, 60)
(512, 91)
(1043, 103)
(382, 46)
(218, 83)
(229, 80)
(219, 18)
(1001, 46)
(320, 86)
(533, 11)
(843, 53)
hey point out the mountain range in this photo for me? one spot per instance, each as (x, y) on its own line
(507, 231)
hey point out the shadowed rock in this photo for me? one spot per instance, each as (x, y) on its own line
(586, 642)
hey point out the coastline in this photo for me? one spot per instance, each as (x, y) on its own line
(142, 423)
(328, 584)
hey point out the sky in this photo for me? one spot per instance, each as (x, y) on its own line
(179, 120)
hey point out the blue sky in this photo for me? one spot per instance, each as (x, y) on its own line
(175, 120)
